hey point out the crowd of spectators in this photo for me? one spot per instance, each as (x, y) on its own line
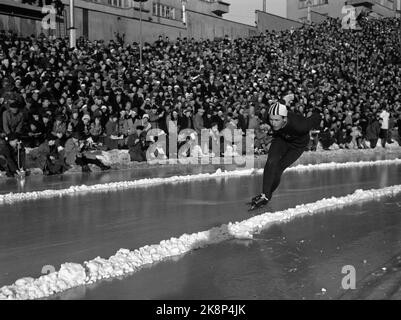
(63, 101)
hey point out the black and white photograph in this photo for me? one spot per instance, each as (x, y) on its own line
(200, 154)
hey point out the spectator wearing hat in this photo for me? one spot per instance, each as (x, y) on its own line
(56, 90)
(55, 158)
(119, 101)
(75, 153)
(198, 121)
(327, 138)
(124, 128)
(105, 115)
(384, 130)
(137, 144)
(73, 120)
(154, 117)
(254, 120)
(13, 119)
(50, 156)
(59, 128)
(29, 77)
(186, 121)
(71, 85)
(219, 118)
(243, 120)
(35, 133)
(47, 123)
(342, 137)
(373, 130)
(96, 130)
(12, 156)
(83, 126)
(112, 132)
(230, 133)
(215, 142)
(144, 122)
(172, 119)
(30, 108)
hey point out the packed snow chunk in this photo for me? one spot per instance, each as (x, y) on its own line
(23, 282)
(124, 252)
(73, 273)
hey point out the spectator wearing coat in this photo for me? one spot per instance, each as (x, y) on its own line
(13, 119)
(373, 131)
(137, 144)
(76, 153)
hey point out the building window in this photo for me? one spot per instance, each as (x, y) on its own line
(163, 11)
(115, 3)
(313, 3)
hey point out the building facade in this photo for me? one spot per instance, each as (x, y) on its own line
(104, 19)
(298, 9)
(198, 19)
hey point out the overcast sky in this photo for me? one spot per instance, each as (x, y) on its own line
(243, 10)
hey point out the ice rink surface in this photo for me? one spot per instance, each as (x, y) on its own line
(299, 259)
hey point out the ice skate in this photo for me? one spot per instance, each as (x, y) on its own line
(254, 199)
(259, 202)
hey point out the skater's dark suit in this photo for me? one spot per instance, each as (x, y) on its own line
(289, 142)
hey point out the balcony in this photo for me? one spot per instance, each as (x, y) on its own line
(220, 7)
(23, 10)
(361, 3)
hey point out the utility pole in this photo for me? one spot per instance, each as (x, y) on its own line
(398, 13)
(140, 31)
(73, 31)
(309, 3)
(184, 11)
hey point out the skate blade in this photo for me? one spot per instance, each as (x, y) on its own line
(255, 209)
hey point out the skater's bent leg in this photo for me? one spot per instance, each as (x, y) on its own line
(287, 160)
(277, 149)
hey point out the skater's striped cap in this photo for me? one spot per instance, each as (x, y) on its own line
(278, 109)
